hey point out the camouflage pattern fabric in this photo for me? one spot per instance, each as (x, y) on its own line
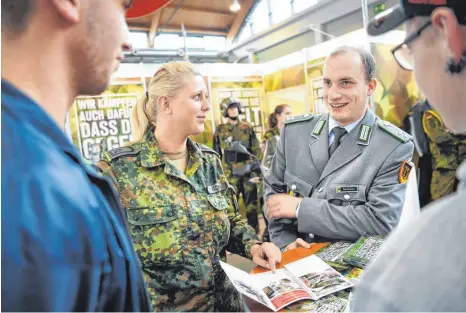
(448, 152)
(181, 224)
(270, 140)
(225, 134)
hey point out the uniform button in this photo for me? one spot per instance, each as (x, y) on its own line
(136, 218)
(311, 236)
(170, 214)
(347, 197)
(293, 187)
(320, 190)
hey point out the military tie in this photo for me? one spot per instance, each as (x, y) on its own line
(339, 132)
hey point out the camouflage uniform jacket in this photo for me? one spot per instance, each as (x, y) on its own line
(271, 138)
(181, 224)
(448, 151)
(225, 134)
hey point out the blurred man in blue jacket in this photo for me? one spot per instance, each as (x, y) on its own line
(65, 246)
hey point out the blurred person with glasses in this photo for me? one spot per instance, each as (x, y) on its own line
(406, 274)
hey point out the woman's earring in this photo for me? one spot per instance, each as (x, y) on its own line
(454, 67)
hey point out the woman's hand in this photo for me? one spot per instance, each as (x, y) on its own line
(266, 255)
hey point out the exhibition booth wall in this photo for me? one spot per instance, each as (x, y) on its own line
(101, 123)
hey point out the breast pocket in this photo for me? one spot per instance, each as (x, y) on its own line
(297, 184)
(156, 233)
(220, 202)
(347, 194)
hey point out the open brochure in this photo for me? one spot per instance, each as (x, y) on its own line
(337, 302)
(309, 278)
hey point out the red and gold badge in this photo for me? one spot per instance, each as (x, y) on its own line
(405, 169)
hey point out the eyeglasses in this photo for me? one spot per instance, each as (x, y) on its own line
(402, 52)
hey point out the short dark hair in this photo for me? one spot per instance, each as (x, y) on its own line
(16, 14)
(367, 59)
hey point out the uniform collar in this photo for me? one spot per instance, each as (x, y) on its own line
(363, 126)
(332, 124)
(151, 155)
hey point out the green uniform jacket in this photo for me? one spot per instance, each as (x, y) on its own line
(181, 224)
(448, 152)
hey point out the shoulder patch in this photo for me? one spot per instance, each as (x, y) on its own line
(204, 148)
(394, 131)
(432, 113)
(119, 152)
(404, 171)
(299, 118)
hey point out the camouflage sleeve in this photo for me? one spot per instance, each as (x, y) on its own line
(242, 236)
(255, 146)
(107, 170)
(435, 129)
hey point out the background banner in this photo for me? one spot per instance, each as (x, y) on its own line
(101, 123)
(250, 94)
(315, 72)
(287, 86)
(397, 91)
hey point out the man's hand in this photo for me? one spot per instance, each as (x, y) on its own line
(266, 255)
(282, 206)
(298, 243)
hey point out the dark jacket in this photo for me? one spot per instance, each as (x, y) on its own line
(65, 246)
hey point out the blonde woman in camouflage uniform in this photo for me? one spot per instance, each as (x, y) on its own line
(182, 212)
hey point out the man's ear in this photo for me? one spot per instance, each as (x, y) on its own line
(372, 85)
(68, 9)
(445, 21)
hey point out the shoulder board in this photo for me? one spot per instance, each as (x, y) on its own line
(299, 118)
(204, 148)
(119, 152)
(394, 131)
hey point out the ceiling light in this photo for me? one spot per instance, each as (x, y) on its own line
(235, 6)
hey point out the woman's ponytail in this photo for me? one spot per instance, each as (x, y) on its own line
(139, 120)
(273, 120)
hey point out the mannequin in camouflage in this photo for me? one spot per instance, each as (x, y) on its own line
(236, 164)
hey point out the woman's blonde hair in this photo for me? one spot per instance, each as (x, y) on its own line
(167, 80)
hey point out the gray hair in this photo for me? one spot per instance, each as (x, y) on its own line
(367, 59)
(16, 14)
